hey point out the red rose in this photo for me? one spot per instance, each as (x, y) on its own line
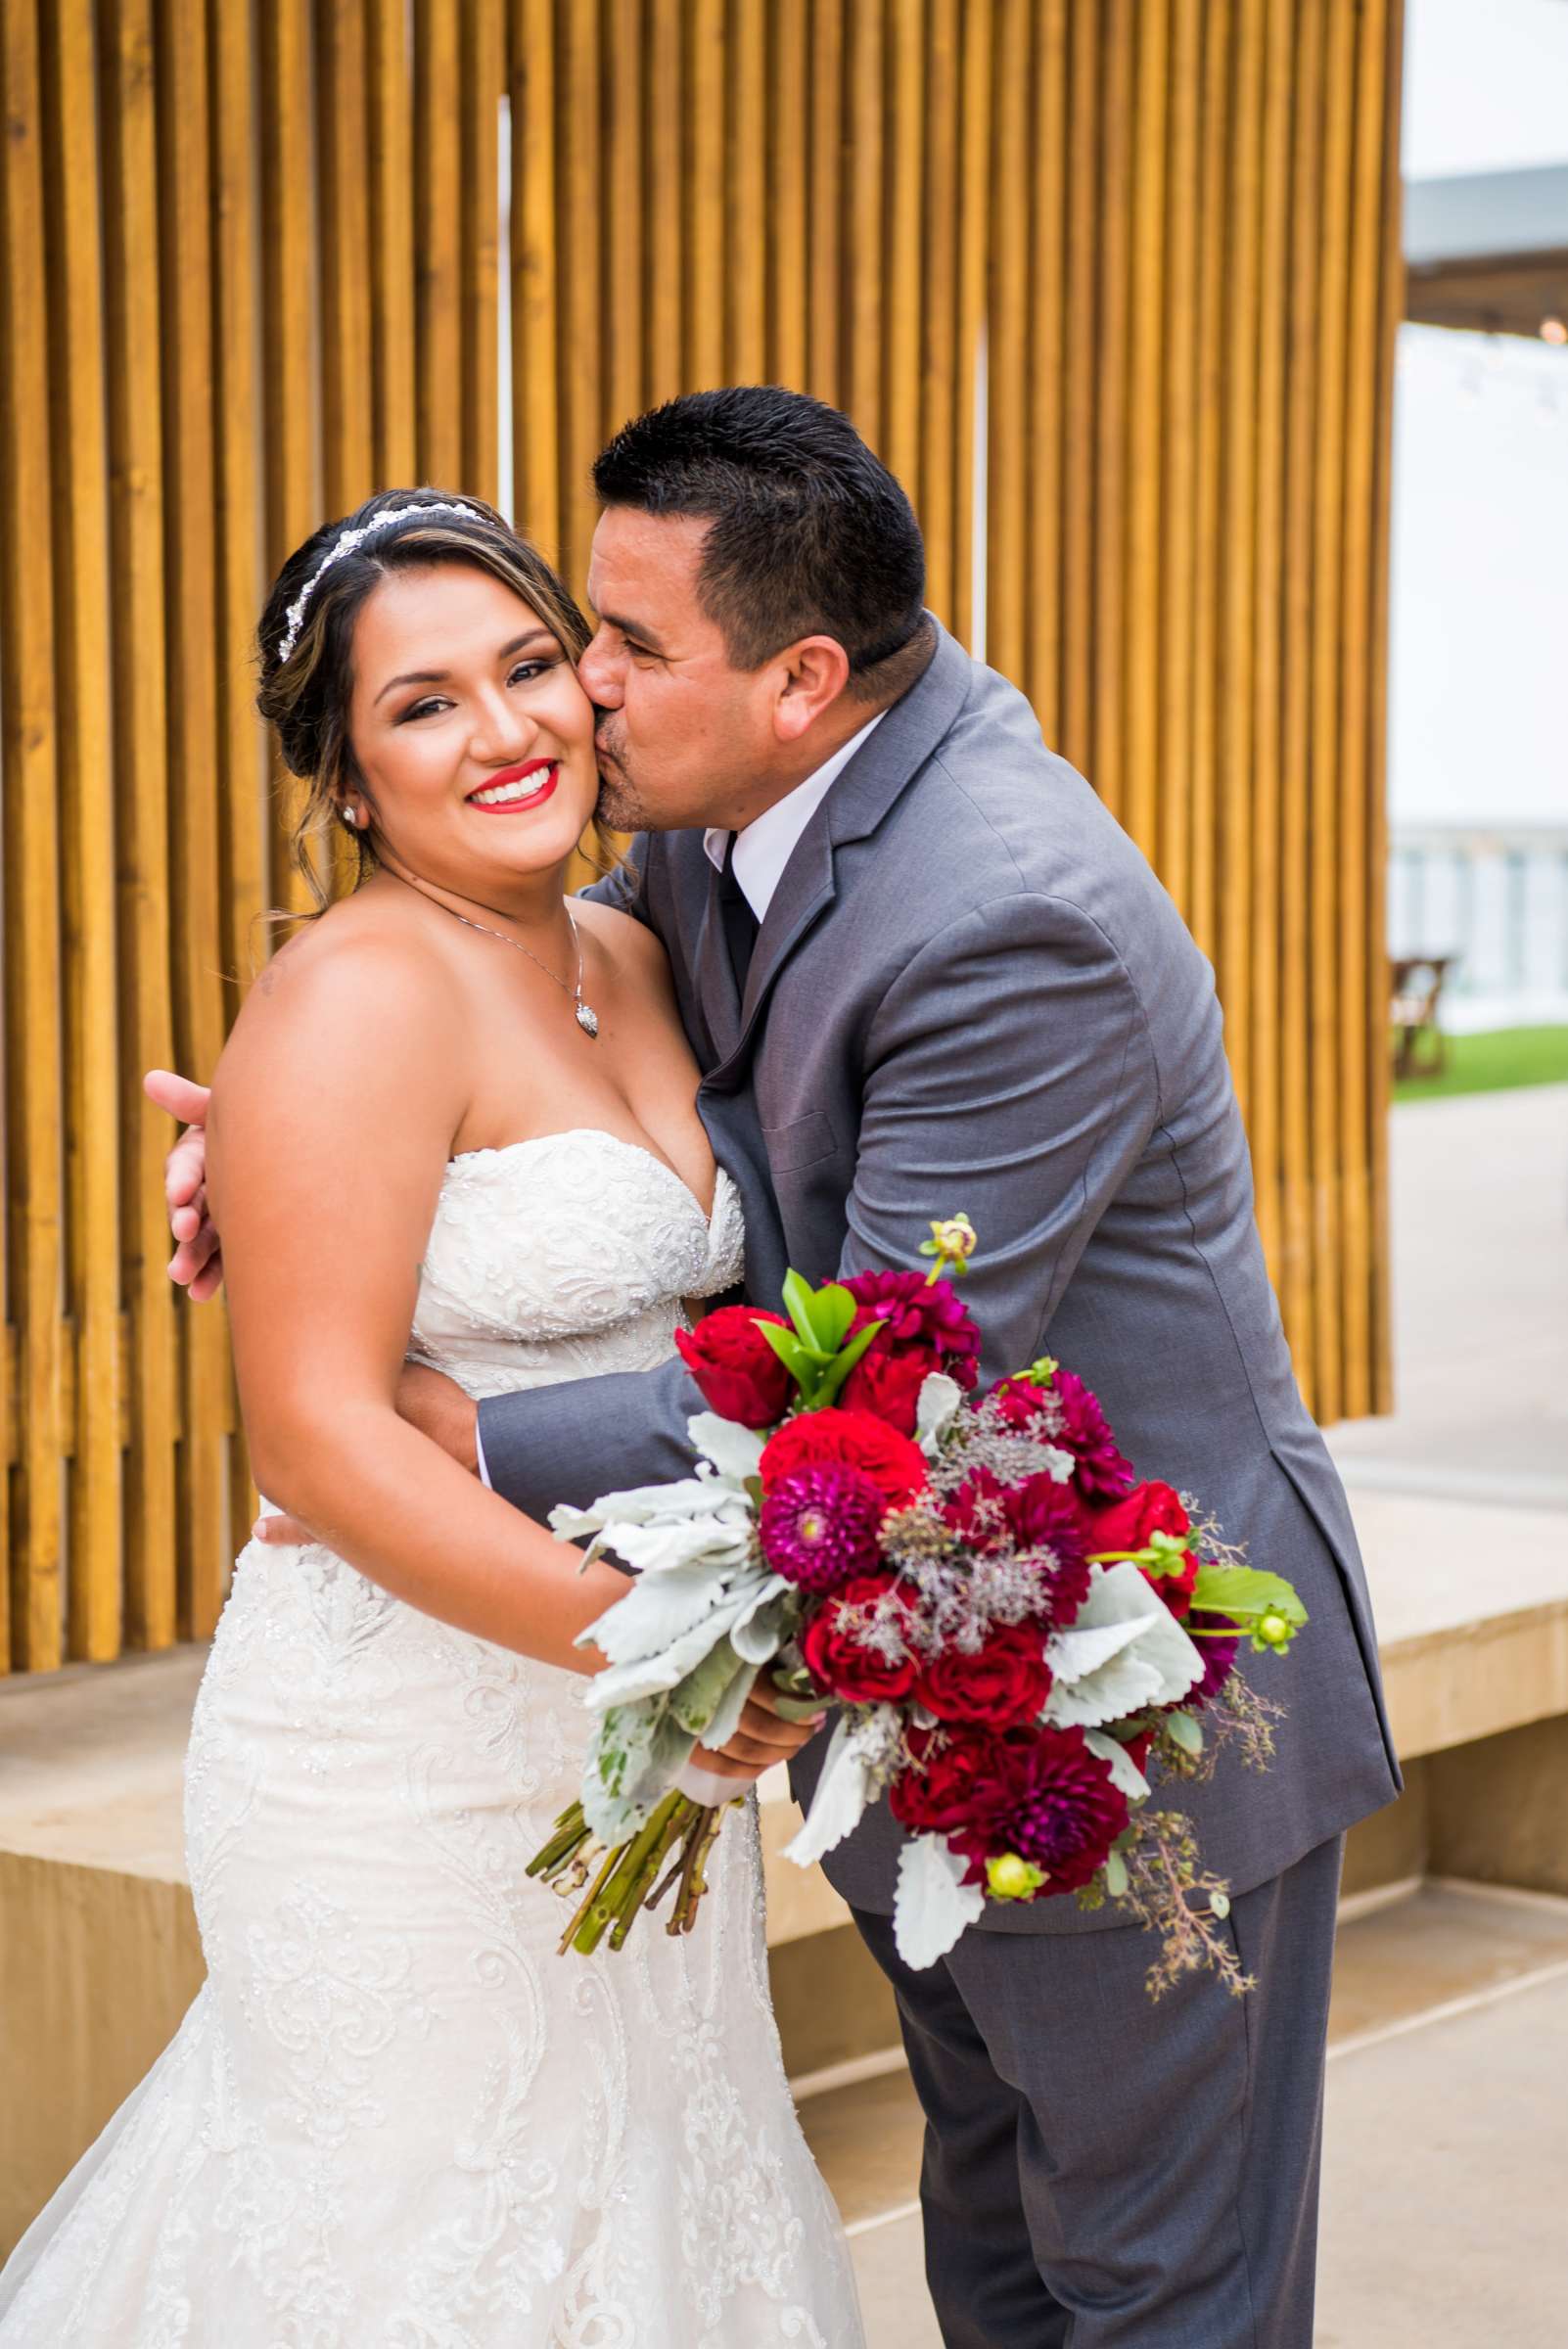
(1128, 1524)
(1004, 1684)
(836, 1656)
(888, 1385)
(894, 1464)
(740, 1375)
(936, 1795)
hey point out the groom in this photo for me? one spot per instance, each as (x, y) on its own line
(924, 972)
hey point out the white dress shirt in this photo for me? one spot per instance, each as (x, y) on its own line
(761, 851)
(765, 846)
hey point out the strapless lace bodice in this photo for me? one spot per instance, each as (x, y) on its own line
(566, 1255)
(394, 2118)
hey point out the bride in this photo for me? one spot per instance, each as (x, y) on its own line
(394, 2118)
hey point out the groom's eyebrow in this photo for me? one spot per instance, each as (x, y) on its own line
(634, 630)
(438, 676)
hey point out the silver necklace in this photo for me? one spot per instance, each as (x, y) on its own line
(586, 1017)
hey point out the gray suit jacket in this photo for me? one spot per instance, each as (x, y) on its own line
(971, 992)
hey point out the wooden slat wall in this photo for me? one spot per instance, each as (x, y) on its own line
(1137, 260)
(1190, 340)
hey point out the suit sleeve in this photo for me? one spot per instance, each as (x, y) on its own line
(587, 1435)
(1010, 1077)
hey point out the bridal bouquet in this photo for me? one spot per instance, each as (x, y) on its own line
(1020, 1640)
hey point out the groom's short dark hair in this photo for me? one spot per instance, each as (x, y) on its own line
(812, 535)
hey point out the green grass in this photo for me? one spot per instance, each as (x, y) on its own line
(1494, 1063)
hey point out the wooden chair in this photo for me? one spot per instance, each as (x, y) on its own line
(1415, 984)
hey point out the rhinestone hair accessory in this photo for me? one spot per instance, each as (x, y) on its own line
(348, 542)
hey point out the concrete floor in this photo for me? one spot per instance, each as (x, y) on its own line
(1444, 2154)
(1479, 1224)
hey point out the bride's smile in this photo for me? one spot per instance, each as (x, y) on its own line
(472, 738)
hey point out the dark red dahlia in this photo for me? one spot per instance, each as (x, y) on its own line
(978, 1512)
(1024, 1405)
(1219, 1660)
(1046, 1516)
(916, 1311)
(1043, 1794)
(1038, 1515)
(819, 1526)
(1103, 1473)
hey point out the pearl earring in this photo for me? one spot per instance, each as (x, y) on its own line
(351, 820)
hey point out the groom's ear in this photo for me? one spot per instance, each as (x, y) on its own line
(813, 674)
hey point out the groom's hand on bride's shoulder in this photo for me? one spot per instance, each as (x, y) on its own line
(197, 1264)
(764, 1737)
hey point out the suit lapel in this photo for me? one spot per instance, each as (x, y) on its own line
(854, 805)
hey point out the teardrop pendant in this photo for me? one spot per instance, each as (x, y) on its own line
(588, 1019)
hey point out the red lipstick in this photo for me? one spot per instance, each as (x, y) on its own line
(544, 771)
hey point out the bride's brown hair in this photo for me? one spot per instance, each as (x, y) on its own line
(306, 654)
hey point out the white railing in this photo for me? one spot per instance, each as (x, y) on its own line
(1497, 900)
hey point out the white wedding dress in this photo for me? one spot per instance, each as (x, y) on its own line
(394, 2117)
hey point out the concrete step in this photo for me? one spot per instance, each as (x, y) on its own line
(1442, 2154)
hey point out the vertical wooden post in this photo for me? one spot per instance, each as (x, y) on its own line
(825, 130)
(389, 134)
(439, 241)
(137, 603)
(343, 139)
(937, 492)
(34, 1169)
(536, 350)
(787, 252)
(245, 814)
(86, 775)
(185, 207)
(289, 373)
(974, 257)
(1051, 356)
(483, 84)
(746, 197)
(1009, 306)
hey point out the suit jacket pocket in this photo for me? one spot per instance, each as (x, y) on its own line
(800, 1143)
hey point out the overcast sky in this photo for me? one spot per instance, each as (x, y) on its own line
(1480, 587)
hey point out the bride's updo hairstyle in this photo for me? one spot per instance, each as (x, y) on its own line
(306, 639)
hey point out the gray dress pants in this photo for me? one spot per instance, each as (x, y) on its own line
(1104, 2172)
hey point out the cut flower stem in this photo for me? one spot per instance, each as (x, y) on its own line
(624, 1878)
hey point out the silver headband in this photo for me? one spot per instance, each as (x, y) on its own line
(345, 544)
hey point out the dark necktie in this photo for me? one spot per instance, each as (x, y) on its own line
(740, 923)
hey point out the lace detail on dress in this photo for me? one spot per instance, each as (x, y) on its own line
(394, 2118)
